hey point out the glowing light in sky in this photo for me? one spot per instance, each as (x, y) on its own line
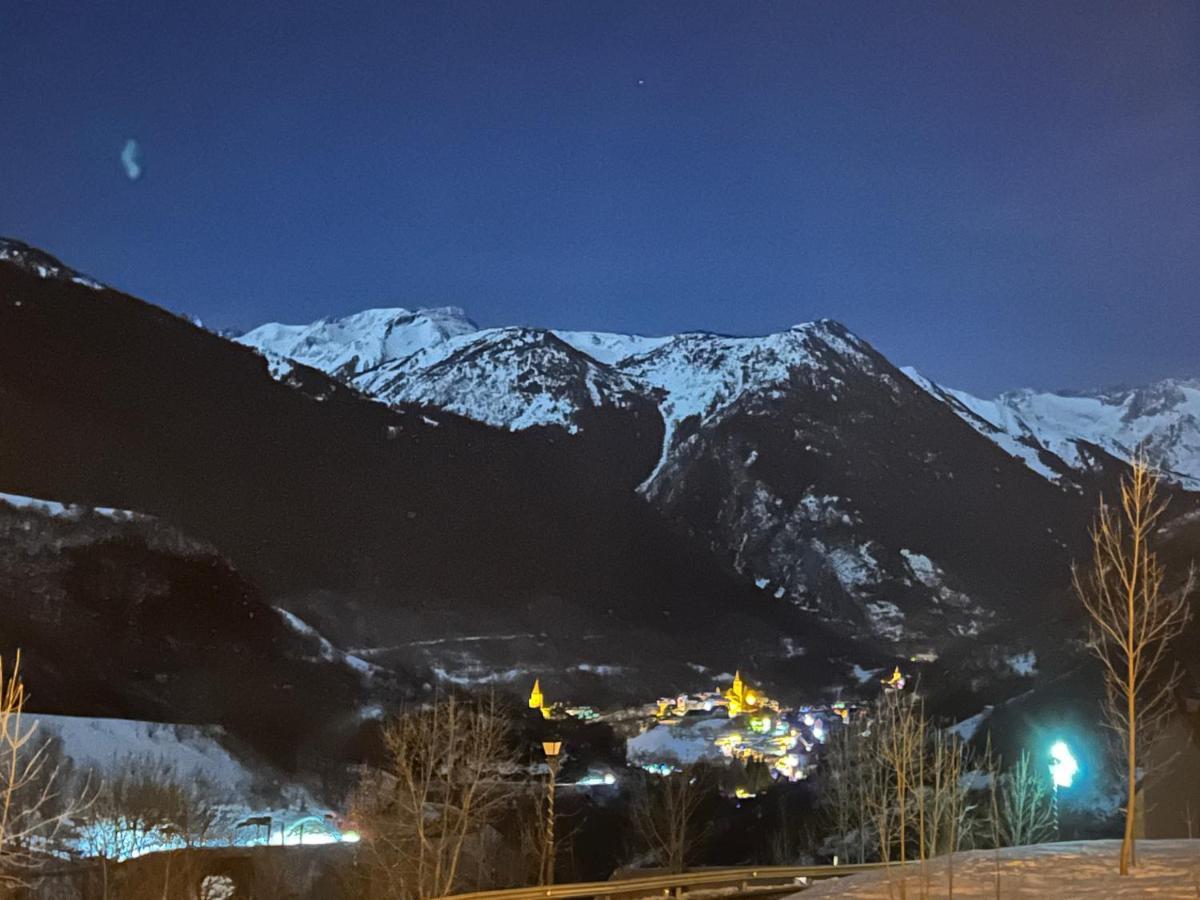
(131, 159)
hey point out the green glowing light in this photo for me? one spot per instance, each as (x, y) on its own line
(1063, 765)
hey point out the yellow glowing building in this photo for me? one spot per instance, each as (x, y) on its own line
(896, 682)
(537, 700)
(742, 697)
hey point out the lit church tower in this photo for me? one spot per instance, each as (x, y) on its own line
(536, 700)
(741, 698)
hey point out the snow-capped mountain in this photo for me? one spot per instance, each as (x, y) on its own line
(509, 377)
(521, 377)
(349, 346)
(757, 459)
(1046, 429)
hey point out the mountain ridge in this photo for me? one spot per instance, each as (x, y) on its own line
(1032, 425)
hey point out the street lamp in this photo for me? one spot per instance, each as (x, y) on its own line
(551, 749)
(1063, 767)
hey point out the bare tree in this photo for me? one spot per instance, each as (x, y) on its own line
(1025, 806)
(146, 806)
(32, 809)
(1133, 622)
(839, 782)
(899, 743)
(665, 817)
(848, 775)
(949, 808)
(444, 784)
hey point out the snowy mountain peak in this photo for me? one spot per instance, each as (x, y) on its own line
(1163, 418)
(517, 377)
(40, 263)
(510, 377)
(349, 346)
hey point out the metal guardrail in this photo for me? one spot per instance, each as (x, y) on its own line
(676, 885)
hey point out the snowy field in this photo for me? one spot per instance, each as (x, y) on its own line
(1061, 871)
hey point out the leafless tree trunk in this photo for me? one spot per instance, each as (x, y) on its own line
(991, 768)
(899, 741)
(445, 782)
(841, 786)
(664, 815)
(1026, 811)
(31, 807)
(949, 808)
(1133, 622)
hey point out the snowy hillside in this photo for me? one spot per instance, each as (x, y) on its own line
(1164, 417)
(105, 746)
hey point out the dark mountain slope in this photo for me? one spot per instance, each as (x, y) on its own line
(853, 491)
(393, 524)
(133, 619)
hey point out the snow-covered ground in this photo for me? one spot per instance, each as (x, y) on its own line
(1062, 871)
(195, 755)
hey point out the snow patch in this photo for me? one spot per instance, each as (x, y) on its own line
(1024, 664)
(327, 652)
(923, 568)
(886, 618)
(967, 728)
(67, 510)
(865, 676)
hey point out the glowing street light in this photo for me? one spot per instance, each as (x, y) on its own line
(1063, 765)
(553, 751)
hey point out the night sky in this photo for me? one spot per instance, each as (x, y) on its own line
(1003, 194)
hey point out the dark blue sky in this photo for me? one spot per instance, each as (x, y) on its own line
(1002, 194)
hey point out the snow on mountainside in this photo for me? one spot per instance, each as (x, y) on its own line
(611, 348)
(347, 347)
(702, 374)
(758, 461)
(510, 377)
(521, 377)
(41, 263)
(1042, 427)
